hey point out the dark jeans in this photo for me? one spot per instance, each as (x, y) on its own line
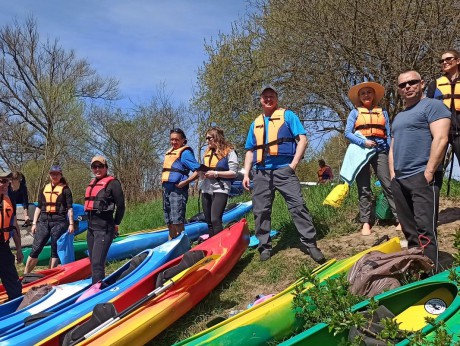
(213, 209)
(286, 182)
(98, 246)
(8, 273)
(417, 203)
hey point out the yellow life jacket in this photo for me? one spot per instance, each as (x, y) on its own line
(52, 193)
(276, 140)
(213, 160)
(448, 92)
(173, 169)
(371, 122)
(6, 217)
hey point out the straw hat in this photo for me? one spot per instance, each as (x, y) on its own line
(354, 90)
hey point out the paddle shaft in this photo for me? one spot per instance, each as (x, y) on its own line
(149, 296)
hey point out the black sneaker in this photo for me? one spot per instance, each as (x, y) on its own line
(264, 256)
(316, 255)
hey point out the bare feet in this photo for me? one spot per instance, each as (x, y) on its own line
(398, 227)
(366, 229)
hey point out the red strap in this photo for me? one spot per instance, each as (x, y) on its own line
(422, 237)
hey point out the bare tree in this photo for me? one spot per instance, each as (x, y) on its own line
(44, 92)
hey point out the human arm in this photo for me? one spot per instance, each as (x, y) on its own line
(440, 135)
(187, 181)
(17, 242)
(390, 161)
(119, 200)
(247, 168)
(188, 160)
(35, 219)
(69, 203)
(300, 151)
(230, 173)
(350, 135)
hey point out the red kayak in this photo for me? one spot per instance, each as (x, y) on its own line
(60, 275)
(147, 308)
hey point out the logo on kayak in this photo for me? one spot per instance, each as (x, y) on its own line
(116, 288)
(435, 306)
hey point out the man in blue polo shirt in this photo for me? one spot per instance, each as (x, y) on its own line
(275, 144)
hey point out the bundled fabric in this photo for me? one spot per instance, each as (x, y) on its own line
(377, 272)
(34, 294)
(337, 195)
(355, 159)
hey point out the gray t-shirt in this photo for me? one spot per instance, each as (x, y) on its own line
(221, 186)
(412, 136)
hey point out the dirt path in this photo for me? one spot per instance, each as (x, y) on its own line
(448, 225)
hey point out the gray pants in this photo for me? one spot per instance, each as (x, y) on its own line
(379, 163)
(286, 182)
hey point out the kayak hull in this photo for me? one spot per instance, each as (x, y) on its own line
(436, 297)
(274, 319)
(68, 311)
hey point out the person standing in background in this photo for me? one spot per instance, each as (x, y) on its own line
(221, 165)
(52, 218)
(105, 205)
(178, 162)
(18, 191)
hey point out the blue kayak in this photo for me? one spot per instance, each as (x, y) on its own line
(135, 243)
(14, 332)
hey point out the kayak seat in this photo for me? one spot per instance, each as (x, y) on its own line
(133, 264)
(34, 294)
(101, 313)
(432, 305)
(189, 259)
(31, 277)
(36, 317)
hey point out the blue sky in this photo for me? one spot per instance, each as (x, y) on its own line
(142, 43)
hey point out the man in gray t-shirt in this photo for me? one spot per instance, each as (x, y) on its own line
(420, 133)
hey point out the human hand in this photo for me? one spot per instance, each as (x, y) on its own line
(181, 184)
(71, 228)
(33, 229)
(369, 144)
(429, 176)
(19, 256)
(246, 183)
(211, 174)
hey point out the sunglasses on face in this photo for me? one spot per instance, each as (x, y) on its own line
(209, 138)
(448, 59)
(97, 166)
(410, 82)
(4, 180)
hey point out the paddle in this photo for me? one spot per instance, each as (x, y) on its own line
(169, 283)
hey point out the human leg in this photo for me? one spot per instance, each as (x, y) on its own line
(382, 170)
(40, 239)
(288, 184)
(57, 229)
(100, 244)
(178, 201)
(219, 201)
(262, 200)
(206, 203)
(363, 181)
(8, 273)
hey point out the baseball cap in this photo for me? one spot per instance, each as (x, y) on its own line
(56, 168)
(100, 159)
(270, 87)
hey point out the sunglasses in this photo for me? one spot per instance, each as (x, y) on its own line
(209, 138)
(4, 180)
(410, 82)
(97, 166)
(448, 59)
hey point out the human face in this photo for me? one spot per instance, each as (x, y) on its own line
(449, 64)
(210, 140)
(176, 140)
(367, 96)
(4, 182)
(269, 101)
(99, 169)
(411, 94)
(55, 177)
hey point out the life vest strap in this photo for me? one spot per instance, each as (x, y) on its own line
(174, 170)
(276, 141)
(450, 96)
(370, 126)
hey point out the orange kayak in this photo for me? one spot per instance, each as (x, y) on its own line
(149, 319)
(60, 275)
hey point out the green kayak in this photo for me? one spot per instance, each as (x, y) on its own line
(274, 319)
(436, 297)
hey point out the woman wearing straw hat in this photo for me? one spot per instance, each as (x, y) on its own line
(373, 123)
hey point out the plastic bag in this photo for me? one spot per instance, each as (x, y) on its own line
(66, 251)
(337, 195)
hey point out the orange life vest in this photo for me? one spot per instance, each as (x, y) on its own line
(6, 218)
(325, 173)
(277, 140)
(448, 92)
(213, 160)
(52, 193)
(96, 197)
(173, 169)
(371, 122)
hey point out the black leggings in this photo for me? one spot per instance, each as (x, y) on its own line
(213, 209)
(45, 231)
